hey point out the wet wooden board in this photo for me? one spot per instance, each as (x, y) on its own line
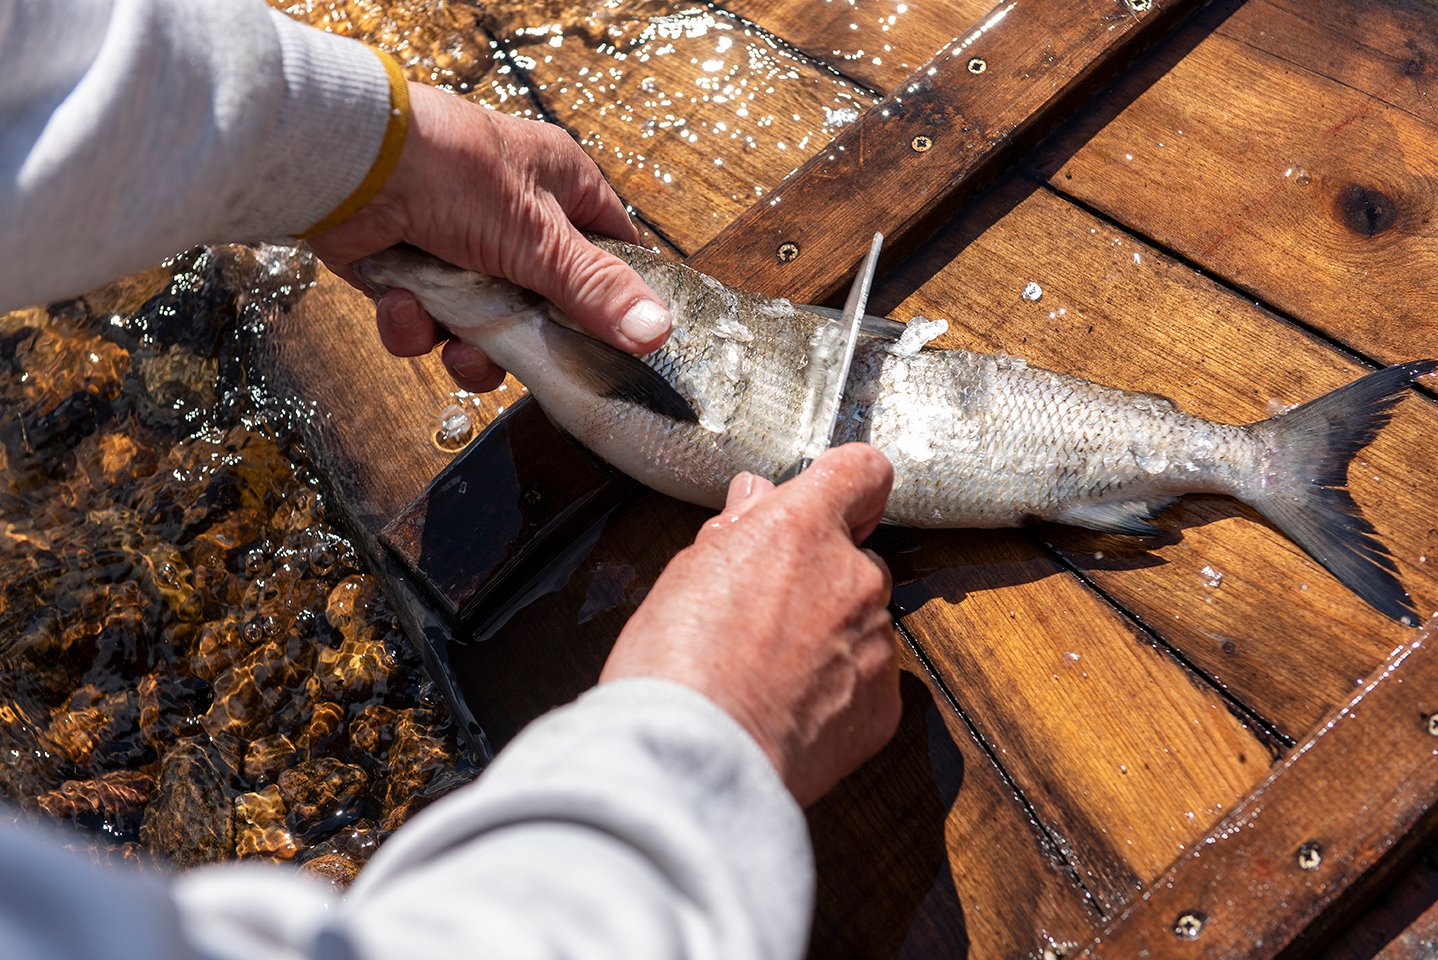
(527, 645)
(877, 42)
(1234, 596)
(929, 146)
(936, 875)
(1298, 857)
(1302, 190)
(1400, 924)
(691, 112)
(1388, 51)
(1114, 747)
(924, 848)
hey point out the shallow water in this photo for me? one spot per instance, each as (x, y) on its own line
(194, 661)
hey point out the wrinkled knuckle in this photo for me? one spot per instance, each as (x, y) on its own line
(870, 583)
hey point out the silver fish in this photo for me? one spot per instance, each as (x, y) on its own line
(976, 440)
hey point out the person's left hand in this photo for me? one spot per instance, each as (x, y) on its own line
(506, 197)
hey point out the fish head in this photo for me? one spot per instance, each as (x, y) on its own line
(460, 299)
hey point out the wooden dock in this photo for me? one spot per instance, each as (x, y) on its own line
(1155, 744)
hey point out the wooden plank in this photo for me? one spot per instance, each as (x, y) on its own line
(1116, 748)
(484, 526)
(878, 42)
(936, 876)
(1275, 629)
(922, 849)
(1387, 50)
(1301, 190)
(1316, 830)
(690, 112)
(1400, 924)
(931, 144)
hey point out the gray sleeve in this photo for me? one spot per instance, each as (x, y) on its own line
(640, 821)
(136, 128)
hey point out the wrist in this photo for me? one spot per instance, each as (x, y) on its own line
(391, 150)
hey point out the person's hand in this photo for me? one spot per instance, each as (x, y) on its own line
(778, 617)
(506, 197)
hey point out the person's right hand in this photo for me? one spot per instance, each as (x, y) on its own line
(779, 617)
(506, 197)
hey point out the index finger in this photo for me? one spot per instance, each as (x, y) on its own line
(854, 482)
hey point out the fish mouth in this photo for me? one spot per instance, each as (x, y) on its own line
(372, 277)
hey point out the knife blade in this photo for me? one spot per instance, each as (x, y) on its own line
(831, 358)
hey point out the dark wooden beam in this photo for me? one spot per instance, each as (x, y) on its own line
(1312, 838)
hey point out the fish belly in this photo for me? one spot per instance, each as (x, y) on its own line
(978, 440)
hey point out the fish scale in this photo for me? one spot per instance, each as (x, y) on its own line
(976, 440)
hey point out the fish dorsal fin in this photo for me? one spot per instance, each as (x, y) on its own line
(610, 372)
(1117, 516)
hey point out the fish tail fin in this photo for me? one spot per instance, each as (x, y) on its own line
(1305, 493)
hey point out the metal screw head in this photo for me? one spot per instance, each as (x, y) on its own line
(1189, 925)
(921, 143)
(1139, 6)
(978, 65)
(1433, 724)
(788, 251)
(1310, 856)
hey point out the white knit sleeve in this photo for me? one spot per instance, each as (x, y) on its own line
(136, 128)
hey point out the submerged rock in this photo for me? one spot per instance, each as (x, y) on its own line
(114, 794)
(323, 794)
(266, 757)
(336, 868)
(260, 829)
(191, 819)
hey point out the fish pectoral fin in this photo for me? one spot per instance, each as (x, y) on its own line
(1117, 516)
(610, 372)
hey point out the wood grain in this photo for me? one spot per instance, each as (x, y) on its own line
(1387, 50)
(878, 42)
(936, 875)
(691, 112)
(932, 143)
(1316, 830)
(1276, 630)
(1118, 750)
(1301, 190)
(1400, 924)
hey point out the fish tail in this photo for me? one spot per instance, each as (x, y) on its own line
(1304, 492)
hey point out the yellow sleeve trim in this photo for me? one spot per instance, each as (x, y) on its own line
(390, 149)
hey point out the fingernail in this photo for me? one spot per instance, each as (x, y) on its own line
(404, 313)
(645, 321)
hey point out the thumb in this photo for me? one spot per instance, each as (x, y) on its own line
(602, 293)
(854, 482)
(745, 492)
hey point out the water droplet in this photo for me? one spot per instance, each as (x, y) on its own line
(455, 428)
(321, 558)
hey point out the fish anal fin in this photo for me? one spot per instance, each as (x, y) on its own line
(610, 372)
(1116, 516)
